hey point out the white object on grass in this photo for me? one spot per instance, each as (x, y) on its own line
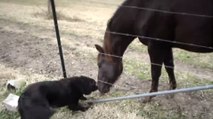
(16, 84)
(11, 102)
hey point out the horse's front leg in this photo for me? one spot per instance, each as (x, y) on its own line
(155, 72)
(169, 66)
(156, 57)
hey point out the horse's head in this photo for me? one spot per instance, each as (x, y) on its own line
(110, 68)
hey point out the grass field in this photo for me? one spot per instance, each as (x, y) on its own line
(28, 50)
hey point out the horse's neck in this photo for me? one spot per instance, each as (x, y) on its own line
(116, 44)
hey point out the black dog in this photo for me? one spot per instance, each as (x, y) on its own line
(38, 99)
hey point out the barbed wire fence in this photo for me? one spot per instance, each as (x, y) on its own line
(198, 88)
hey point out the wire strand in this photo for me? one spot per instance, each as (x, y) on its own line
(159, 39)
(156, 64)
(156, 10)
(167, 12)
(113, 85)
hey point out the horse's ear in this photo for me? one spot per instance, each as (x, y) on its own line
(99, 48)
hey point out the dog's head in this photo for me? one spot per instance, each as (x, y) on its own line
(85, 84)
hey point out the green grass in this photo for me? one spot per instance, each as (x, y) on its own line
(196, 59)
(154, 110)
(137, 46)
(185, 79)
(137, 68)
(8, 115)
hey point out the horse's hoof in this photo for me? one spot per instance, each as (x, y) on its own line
(147, 100)
(173, 86)
(170, 96)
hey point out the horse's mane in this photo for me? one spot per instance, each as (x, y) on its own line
(115, 15)
(109, 22)
(119, 18)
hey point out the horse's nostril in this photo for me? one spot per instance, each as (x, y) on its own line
(103, 90)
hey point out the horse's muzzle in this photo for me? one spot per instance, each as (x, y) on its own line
(103, 88)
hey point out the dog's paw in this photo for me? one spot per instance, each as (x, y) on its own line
(83, 98)
(79, 107)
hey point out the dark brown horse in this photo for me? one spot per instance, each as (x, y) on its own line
(161, 25)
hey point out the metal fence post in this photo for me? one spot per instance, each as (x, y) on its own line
(58, 37)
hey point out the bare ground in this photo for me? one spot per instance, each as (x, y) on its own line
(28, 50)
